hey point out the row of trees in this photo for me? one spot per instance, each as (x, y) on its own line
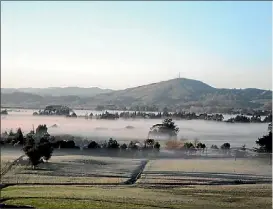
(154, 108)
(252, 119)
(179, 115)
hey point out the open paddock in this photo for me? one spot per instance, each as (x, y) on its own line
(194, 197)
(74, 169)
(205, 171)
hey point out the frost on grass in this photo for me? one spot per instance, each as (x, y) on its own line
(200, 171)
(74, 169)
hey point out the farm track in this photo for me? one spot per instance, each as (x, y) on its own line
(137, 173)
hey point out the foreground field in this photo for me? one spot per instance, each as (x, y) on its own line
(74, 169)
(205, 171)
(240, 196)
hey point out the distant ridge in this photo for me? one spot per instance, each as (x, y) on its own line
(175, 93)
(59, 91)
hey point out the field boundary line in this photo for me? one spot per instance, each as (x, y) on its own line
(9, 166)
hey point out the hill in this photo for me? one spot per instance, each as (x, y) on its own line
(58, 91)
(185, 93)
(179, 93)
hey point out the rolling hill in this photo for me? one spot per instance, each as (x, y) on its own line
(174, 94)
(58, 91)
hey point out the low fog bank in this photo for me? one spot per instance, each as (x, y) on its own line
(208, 132)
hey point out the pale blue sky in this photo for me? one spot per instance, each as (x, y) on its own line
(125, 44)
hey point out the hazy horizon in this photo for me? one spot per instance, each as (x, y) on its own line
(113, 89)
(119, 45)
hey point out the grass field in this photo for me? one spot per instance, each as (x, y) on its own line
(164, 183)
(205, 171)
(240, 196)
(74, 169)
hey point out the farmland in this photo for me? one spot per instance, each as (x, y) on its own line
(243, 196)
(99, 182)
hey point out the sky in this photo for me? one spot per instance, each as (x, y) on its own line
(118, 45)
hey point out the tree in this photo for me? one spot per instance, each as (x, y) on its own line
(214, 146)
(112, 144)
(4, 112)
(93, 145)
(265, 143)
(157, 146)
(73, 115)
(196, 142)
(149, 143)
(166, 127)
(188, 145)
(46, 150)
(201, 146)
(165, 112)
(268, 119)
(133, 145)
(34, 156)
(19, 136)
(41, 129)
(225, 146)
(123, 146)
(36, 151)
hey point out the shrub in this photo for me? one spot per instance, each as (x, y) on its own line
(157, 146)
(123, 146)
(149, 142)
(93, 145)
(188, 145)
(265, 143)
(225, 146)
(112, 144)
(201, 146)
(214, 146)
(133, 145)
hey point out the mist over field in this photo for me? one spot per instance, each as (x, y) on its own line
(208, 132)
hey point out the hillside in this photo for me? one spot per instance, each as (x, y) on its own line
(57, 91)
(174, 94)
(185, 93)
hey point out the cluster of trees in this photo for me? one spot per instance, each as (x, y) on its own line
(4, 112)
(56, 110)
(159, 115)
(13, 138)
(252, 119)
(154, 108)
(112, 144)
(166, 129)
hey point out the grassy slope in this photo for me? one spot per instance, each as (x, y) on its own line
(243, 196)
